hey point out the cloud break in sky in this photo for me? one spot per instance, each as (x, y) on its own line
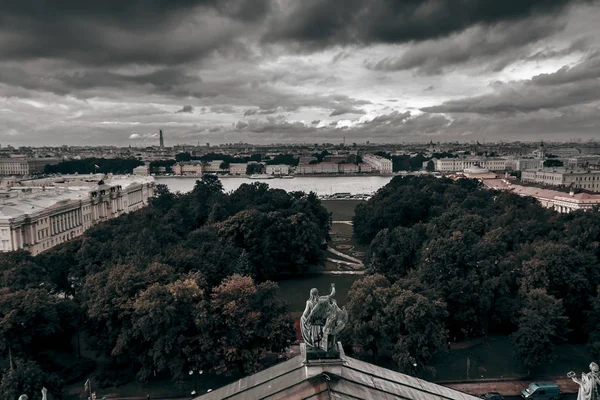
(262, 71)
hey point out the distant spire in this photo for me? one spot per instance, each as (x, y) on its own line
(161, 140)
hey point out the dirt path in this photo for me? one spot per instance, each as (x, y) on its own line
(347, 257)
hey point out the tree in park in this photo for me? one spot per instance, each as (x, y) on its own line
(243, 266)
(386, 317)
(247, 321)
(26, 377)
(416, 328)
(541, 326)
(593, 325)
(255, 168)
(275, 243)
(566, 273)
(448, 267)
(20, 270)
(366, 317)
(394, 252)
(33, 320)
(108, 298)
(167, 338)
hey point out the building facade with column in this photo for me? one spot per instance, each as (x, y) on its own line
(559, 201)
(37, 218)
(280, 169)
(572, 178)
(379, 164)
(188, 168)
(461, 164)
(25, 166)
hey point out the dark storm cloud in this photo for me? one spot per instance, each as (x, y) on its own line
(274, 125)
(345, 110)
(186, 109)
(394, 118)
(115, 31)
(569, 86)
(78, 81)
(505, 40)
(325, 22)
(259, 112)
(129, 11)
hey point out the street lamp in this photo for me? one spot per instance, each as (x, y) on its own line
(195, 372)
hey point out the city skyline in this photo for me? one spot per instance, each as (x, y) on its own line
(281, 72)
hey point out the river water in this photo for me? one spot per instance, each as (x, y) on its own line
(320, 185)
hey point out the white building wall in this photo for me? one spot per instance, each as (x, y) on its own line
(281, 169)
(67, 219)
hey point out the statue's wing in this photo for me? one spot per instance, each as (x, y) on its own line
(342, 320)
(319, 313)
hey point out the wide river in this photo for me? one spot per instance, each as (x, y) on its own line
(296, 290)
(320, 185)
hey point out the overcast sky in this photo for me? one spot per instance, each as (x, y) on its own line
(260, 71)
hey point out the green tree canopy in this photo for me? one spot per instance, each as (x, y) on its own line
(542, 326)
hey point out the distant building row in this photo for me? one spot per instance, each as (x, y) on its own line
(25, 166)
(41, 213)
(371, 163)
(562, 177)
(511, 164)
(332, 168)
(559, 201)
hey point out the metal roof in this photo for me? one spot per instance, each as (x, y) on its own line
(343, 378)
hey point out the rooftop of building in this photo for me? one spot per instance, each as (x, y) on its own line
(549, 194)
(339, 378)
(34, 196)
(563, 170)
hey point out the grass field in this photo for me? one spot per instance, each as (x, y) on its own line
(493, 358)
(342, 210)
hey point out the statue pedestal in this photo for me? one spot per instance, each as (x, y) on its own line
(313, 353)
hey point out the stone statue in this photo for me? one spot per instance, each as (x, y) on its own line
(44, 395)
(589, 384)
(322, 320)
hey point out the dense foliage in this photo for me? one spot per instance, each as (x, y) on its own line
(180, 284)
(287, 159)
(499, 263)
(553, 163)
(88, 166)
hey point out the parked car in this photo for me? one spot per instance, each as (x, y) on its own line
(492, 396)
(541, 391)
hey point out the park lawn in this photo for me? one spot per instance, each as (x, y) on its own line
(342, 210)
(342, 229)
(493, 358)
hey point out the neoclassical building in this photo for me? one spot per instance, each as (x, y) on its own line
(39, 214)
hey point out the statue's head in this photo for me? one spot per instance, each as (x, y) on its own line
(23, 397)
(314, 293)
(594, 367)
